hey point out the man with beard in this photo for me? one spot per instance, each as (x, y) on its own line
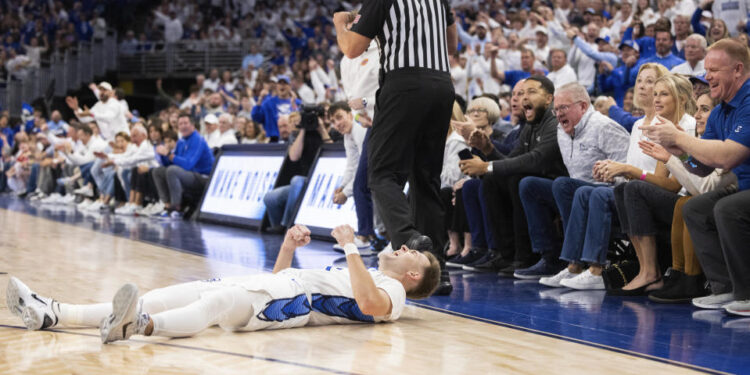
(476, 207)
(664, 56)
(537, 154)
(107, 112)
(480, 37)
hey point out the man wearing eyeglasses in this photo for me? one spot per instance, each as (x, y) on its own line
(584, 136)
(537, 154)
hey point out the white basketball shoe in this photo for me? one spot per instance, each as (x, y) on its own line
(126, 318)
(37, 312)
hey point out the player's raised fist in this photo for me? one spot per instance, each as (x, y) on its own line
(343, 234)
(297, 236)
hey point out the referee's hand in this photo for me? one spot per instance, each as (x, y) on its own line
(343, 18)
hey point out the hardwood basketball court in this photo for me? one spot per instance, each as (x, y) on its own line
(79, 265)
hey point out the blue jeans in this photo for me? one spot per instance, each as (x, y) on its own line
(362, 195)
(280, 202)
(86, 172)
(476, 215)
(541, 209)
(33, 177)
(564, 190)
(104, 178)
(125, 177)
(589, 226)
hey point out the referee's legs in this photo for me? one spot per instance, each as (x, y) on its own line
(407, 142)
(390, 154)
(427, 207)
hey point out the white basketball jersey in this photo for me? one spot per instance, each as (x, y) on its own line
(333, 299)
(279, 301)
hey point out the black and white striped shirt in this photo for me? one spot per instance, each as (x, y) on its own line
(410, 33)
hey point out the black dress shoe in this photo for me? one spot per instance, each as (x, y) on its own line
(494, 262)
(445, 287)
(471, 257)
(486, 256)
(632, 292)
(419, 242)
(682, 291)
(510, 269)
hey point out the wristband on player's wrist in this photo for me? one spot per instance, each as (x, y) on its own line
(350, 248)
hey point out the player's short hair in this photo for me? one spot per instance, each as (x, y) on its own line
(430, 279)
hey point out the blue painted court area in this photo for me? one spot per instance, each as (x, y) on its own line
(681, 333)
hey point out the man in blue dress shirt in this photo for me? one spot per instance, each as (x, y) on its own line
(188, 167)
(718, 220)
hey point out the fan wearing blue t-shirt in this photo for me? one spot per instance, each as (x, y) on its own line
(270, 107)
(718, 220)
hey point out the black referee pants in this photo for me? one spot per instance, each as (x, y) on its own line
(407, 141)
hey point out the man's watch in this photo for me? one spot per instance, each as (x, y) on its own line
(364, 102)
(489, 167)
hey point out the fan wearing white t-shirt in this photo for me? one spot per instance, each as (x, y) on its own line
(285, 299)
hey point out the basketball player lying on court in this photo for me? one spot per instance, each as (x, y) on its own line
(287, 298)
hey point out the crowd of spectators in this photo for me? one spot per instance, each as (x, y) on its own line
(33, 29)
(582, 120)
(280, 29)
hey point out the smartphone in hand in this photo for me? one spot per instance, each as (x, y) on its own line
(465, 154)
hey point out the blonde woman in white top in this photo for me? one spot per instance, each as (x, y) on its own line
(645, 205)
(686, 280)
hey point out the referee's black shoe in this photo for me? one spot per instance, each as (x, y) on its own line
(445, 288)
(419, 242)
(424, 243)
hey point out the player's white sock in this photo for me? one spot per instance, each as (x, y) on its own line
(83, 315)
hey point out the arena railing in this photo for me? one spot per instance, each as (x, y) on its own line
(182, 59)
(61, 72)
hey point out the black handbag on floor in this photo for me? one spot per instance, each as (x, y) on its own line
(616, 275)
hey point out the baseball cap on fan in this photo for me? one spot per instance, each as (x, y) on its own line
(282, 77)
(211, 119)
(630, 43)
(105, 85)
(701, 78)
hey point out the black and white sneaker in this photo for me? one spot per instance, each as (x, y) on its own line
(37, 312)
(126, 318)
